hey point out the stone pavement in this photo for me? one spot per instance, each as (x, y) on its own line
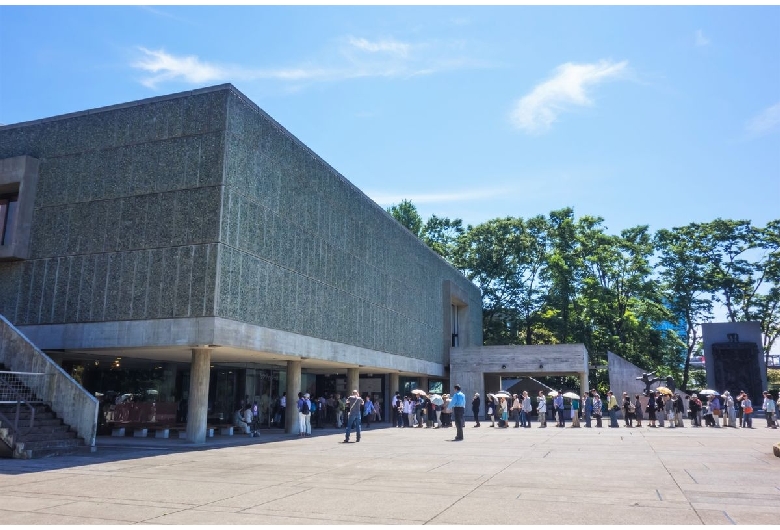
(409, 476)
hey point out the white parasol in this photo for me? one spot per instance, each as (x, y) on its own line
(436, 399)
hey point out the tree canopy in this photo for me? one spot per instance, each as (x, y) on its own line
(642, 295)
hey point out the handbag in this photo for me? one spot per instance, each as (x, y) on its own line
(748, 410)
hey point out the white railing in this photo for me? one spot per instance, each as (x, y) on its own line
(68, 399)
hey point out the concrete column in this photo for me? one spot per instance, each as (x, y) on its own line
(353, 380)
(293, 387)
(584, 383)
(392, 388)
(422, 383)
(197, 408)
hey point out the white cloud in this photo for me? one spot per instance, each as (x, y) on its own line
(387, 199)
(767, 121)
(355, 58)
(701, 40)
(166, 67)
(536, 111)
(387, 46)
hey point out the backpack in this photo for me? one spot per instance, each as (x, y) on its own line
(305, 407)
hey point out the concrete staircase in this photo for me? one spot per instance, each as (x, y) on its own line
(46, 435)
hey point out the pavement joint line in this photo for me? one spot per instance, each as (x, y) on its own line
(693, 479)
(679, 488)
(513, 462)
(659, 495)
(729, 518)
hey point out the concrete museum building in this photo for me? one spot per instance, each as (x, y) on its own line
(194, 241)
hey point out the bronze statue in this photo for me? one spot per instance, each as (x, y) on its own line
(648, 379)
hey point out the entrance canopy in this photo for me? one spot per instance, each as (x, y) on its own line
(476, 368)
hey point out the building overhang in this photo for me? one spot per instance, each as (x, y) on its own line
(172, 340)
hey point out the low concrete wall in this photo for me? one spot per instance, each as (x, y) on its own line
(74, 405)
(479, 369)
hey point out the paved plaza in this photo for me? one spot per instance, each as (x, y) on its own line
(410, 476)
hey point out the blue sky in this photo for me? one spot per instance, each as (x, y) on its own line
(642, 115)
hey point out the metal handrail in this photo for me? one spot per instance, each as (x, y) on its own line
(13, 390)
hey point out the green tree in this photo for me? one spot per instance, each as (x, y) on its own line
(505, 258)
(620, 298)
(563, 272)
(686, 287)
(765, 305)
(406, 214)
(441, 234)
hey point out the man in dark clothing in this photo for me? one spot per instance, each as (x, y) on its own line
(475, 408)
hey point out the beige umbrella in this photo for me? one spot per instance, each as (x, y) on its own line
(552, 393)
(664, 390)
(419, 392)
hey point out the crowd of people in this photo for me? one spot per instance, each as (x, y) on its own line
(420, 410)
(659, 408)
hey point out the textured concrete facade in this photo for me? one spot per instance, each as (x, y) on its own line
(200, 205)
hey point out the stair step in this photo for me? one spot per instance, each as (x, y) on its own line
(52, 444)
(49, 435)
(46, 433)
(24, 411)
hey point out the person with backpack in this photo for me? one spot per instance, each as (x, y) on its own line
(304, 415)
(353, 405)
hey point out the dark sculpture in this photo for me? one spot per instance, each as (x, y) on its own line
(670, 383)
(648, 379)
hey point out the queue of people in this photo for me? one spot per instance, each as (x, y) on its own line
(419, 410)
(659, 409)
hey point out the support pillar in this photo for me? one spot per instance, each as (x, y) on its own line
(422, 383)
(293, 387)
(197, 407)
(394, 378)
(353, 380)
(392, 388)
(584, 383)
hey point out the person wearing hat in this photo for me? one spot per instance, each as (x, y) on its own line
(770, 408)
(304, 416)
(475, 405)
(612, 408)
(659, 408)
(747, 411)
(458, 406)
(731, 411)
(694, 409)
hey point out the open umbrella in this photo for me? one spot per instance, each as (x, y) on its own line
(436, 399)
(664, 390)
(503, 394)
(552, 393)
(708, 392)
(571, 395)
(419, 392)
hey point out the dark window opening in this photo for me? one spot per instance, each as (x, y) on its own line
(8, 207)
